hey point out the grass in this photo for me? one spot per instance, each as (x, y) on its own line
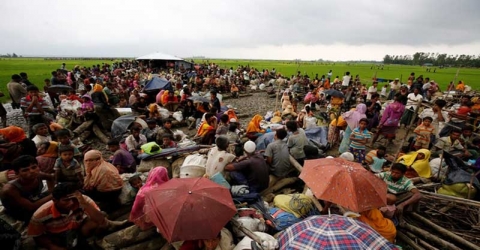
(39, 69)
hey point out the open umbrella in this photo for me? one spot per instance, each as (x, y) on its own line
(332, 232)
(345, 183)
(122, 123)
(333, 92)
(198, 99)
(190, 209)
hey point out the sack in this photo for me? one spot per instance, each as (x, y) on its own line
(298, 204)
(282, 220)
(178, 116)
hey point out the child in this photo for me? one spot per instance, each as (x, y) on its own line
(424, 131)
(41, 134)
(383, 93)
(63, 138)
(66, 168)
(151, 131)
(378, 162)
(358, 140)
(168, 142)
(135, 182)
(121, 159)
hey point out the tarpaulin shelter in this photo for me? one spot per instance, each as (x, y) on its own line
(161, 60)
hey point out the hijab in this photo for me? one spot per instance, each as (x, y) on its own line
(383, 226)
(100, 174)
(156, 177)
(254, 124)
(13, 134)
(353, 117)
(52, 150)
(422, 167)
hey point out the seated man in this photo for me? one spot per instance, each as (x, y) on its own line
(278, 157)
(218, 157)
(450, 144)
(21, 197)
(400, 189)
(250, 170)
(166, 129)
(121, 159)
(470, 141)
(66, 221)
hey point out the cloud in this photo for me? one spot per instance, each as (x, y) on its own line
(228, 28)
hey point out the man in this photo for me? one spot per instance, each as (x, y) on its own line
(222, 127)
(394, 88)
(21, 197)
(413, 100)
(373, 111)
(346, 79)
(16, 91)
(166, 129)
(457, 116)
(218, 157)
(278, 156)
(400, 189)
(3, 112)
(251, 170)
(34, 108)
(214, 101)
(122, 159)
(372, 90)
(25, 79)
(66, 221)
(450, 144)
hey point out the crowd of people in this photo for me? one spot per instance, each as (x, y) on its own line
(79, 185)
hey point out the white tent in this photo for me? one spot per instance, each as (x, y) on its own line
(159, 56)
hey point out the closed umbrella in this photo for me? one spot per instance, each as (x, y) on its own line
(345, 183)
(332, 232)
(190, 209)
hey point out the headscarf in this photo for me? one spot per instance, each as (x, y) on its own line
(353, 117)
(101, 175)
(165, 97)
(289, 111)
(97, 88)
(231, 114)
(87, 104)
(156, 177)
(153, 108)
(158, 98)
(52, 150)
(254, 124)
(383, 226)
(277, 117)
(13, 134)
(422, 167)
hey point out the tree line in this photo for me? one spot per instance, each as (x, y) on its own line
(434, 59)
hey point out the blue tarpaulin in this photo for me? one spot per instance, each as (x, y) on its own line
(158, 83)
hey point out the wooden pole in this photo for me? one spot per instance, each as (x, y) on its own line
(457, 239)
(429, 237)
(420, 241)
(451, 199)
(300, 168)
(409, 241)
(246, 231)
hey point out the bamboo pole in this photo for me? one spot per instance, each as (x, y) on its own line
(246, 231)
(457, 239)
(420, 241)
(450, 198)
(409, 241)
(428, 236)
(300, 168)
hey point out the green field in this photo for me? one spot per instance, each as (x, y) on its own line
(38, 69)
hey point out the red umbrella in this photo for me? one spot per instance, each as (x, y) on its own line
(190, 209)
(345, 183)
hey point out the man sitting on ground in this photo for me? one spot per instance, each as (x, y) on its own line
(24, 195)
(400, 189)
(121, 159)
(450, 144)
(66, 221)
(278, 157)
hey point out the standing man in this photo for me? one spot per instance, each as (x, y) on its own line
(25, 79)
(372, 90)
(16, 91)
(346, 79)
(394, 88)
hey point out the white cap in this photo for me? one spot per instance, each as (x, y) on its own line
(347, 156)
(249, 147)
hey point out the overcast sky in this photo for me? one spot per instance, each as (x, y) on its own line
(263, 29)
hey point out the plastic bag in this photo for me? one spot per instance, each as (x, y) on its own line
(178, 116)
(164, 113)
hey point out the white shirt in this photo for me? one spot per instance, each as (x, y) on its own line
(132, 144)
(394, 86)
(384, 91)
(39, 139)
(412, 100)
(329, 74)
(346, 80)
(438, 125)
(371, 90)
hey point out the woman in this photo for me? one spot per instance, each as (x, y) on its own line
(390, 119)
(383, 226)
(153, 112)
(334, 130)
(309, 120)
(352, 118)
(156, 177)
(47, 154)
(417, 164)
(102, 181)
(98, 97)
(207, 129)
(253, 129)
(188, 113)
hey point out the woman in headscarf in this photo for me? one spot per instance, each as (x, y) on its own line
(390, 119)
(352, 118)
(102, 181)
(156, 177)
(334, 130)
(153, 112)
(253, 129)
(99, 98)
(165, 97)
(158, 98)
(418, 164)
(383, 226)
(47, 154)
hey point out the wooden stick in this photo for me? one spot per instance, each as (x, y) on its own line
(279, 185)
(457, 239)
(474, 175)
(420, 241)
(84, 126)
(428, 236)
(247, 231)
(300, 168)
(409, 241)
(451, 198)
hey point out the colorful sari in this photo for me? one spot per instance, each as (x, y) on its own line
(47, 160)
